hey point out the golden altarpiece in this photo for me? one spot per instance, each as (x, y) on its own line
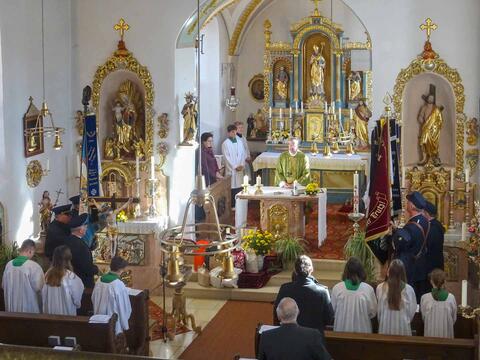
(429, 104)
(123, 100)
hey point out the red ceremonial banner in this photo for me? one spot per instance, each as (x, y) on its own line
(378, 217)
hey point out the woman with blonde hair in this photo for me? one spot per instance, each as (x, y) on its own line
(439, 308)
(396, 302)
(62, 292)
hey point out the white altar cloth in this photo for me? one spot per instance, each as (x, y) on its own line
(241, 208)
(143, 226)
(339, 162)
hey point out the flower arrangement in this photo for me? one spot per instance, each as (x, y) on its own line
(312, 189)
(259, 241)
(280, 135)
(122, 216)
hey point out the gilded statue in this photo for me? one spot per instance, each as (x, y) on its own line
(139, 146)
(45, 211)
(355, 85)
(431, 120)
(317, 72)
(260, 124)
(189, 113)
(472, 131)
(282, 83)
(361, 116)
(109, 149)
(123, 131)
(298, 129)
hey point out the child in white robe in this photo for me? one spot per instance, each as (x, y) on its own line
(438, 308)
(23, 281)
(110, 295)
(397, 303)
(353, 300)
(62, 292)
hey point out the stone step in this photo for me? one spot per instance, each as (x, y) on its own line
(266, 294)
(327, 278)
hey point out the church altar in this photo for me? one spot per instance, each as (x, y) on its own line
(281, 212)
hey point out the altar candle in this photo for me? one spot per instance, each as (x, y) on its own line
(467, 177)
(464, 231)
(137, 167)
(325, 107)
(152, 167)
(452, 179)
(48, 164)
(270, 112)
(281, 113)
(333, 107)
(464, 293)
(403, 177)
(355, 193)
(301, 104)
(259, 180)
(296, 107)
(245, 180)
(290, 115)
(351, 114)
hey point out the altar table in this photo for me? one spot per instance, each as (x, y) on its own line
(281, 212)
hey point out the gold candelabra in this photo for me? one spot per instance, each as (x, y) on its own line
(467, 206)
(451, 223)
(403, 190)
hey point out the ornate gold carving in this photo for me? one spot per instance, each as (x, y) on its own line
(472, 131)
(278, 220)
(358, 45)
(472, 159)
(34, 173)
(163, 126)
(317, 28)
(437, 65)
(279, 46)
(369, 91)
(125, 170)
(241, 24)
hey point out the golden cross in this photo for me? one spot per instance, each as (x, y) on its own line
(316, 4)
(429, 26)
(121, 27)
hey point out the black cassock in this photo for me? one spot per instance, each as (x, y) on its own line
(82, 261)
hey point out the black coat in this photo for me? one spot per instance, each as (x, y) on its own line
(313, 301)
(291, 341)
(435, 246)
(57, 233)
(82, 261)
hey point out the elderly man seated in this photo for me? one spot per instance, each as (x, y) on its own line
(291, 341)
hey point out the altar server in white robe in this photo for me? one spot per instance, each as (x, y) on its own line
(62, 292)
(397, 303)
(353, 300)
(235, 156)
(438, 308)
(110, 295)
(248, 157)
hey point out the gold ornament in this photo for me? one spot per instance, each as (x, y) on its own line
(34, 173)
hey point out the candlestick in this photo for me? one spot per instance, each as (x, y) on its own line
(464, 292)
(452, 179)
(301, 104)
(137, 167)
(451, 223)
(403, 177)
(355, 193)
(296, 107)
(333, 107)
(351, 114)
(325, 106)
(467, 206)
(270, 112)
(152, 168)
(290, 113)
(259, 180)
(281, 113)
(245, 179)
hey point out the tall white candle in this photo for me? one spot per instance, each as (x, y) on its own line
(464, 231)
(355, 193)
(152, 167)
(351, 114)
(296, 107)
(325, 107)
(48, 164)
(301, 105)
(137, 167)
(281, 113)
(259, 180)
(333, 107)
(452, 179)
(403, 177)
(245, 180)
(270, 112)
(464, 292)
(290, 114)
(467, 179)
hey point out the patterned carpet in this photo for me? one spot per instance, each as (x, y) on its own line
(156, 319)
(339, 228)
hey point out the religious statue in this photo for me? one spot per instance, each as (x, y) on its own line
(361, 116)
(282, 83)
(260, 124)
(317, 72)
(123, 131)
(45, 211)
(355, 85)
(472, 131)
(189, 113)
(139, 146)
(297, 128)
(431, 120)
(251, 132)
(109, 149)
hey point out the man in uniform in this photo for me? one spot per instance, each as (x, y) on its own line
(58, 230)
(82, 260)
(292, 165)
(435, 239)
(410, 244)
(92, 228)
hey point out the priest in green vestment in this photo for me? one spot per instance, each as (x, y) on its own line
(292, 165)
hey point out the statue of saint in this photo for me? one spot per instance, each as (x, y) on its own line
(361, 116)
(282, 83)
(260, 121)
(431, 120)
(123, 131)
(45, 211)
(297, 129)
(355, 87)
(251, 132)
(472, 131)
(317, 75)
(189, 113)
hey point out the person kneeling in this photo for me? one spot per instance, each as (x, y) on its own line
(110, 295)
(62, 292)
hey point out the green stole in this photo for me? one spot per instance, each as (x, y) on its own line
(233, 140)
(350, 285)
(109, 277)
(20, 260)
(439, 294)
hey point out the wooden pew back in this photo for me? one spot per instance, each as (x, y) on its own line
(34, 330)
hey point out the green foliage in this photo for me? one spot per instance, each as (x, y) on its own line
(7, 253)
(356, 246)
(289, 249)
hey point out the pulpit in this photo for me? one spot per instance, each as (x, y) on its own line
(282, 213)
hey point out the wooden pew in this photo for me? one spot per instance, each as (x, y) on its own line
(34, 330)
(138, 338)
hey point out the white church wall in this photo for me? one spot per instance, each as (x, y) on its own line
(20, 29)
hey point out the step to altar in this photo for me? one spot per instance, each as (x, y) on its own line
(327, 272)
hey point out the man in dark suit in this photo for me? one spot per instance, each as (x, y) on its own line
(82, 260)
(435, 239)
(312, 299)
(410, 244)
(58, 230)
(291, 341)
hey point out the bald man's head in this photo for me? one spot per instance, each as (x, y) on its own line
(287, 311)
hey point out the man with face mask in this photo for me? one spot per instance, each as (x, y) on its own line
(292, 165)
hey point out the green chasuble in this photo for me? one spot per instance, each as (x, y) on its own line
(291, 168)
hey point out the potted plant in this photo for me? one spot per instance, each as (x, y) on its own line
(7, 253)
(289, 249)
(356, 246)
(260, 242)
